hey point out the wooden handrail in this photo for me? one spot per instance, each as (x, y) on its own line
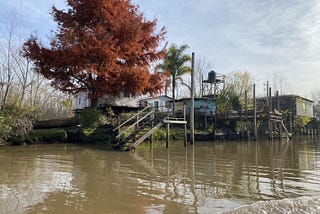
(132, 125)
(133, 117)
(146, 135)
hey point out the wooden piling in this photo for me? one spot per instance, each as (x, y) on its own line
(185, 126)
(270, 110)
(246, 112)
(167, 135)
(278, 108)
(255, 113)
(192, 101)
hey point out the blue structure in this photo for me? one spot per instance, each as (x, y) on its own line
(202, 105)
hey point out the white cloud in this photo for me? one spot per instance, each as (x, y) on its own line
(259, 36)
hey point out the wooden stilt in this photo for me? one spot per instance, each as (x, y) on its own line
(185, 135)
(185, 126)
(151, 139)
(167, 135)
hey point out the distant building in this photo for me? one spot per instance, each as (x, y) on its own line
(160, 103)
(297, 105)
(316, 110)
(124, 100)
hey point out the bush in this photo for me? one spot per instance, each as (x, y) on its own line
(49, 135)
(15, 125)
(91, 118)
(160, 134)
(101, 134)
(94, 128)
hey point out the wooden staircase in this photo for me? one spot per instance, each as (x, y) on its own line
(278, 119)
(135, 130)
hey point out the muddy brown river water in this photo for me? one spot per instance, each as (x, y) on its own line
(209, 177)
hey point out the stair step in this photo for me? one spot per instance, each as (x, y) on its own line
(142, 132)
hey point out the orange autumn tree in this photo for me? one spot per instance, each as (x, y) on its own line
(101, 47)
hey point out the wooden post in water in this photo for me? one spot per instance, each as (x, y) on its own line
(278, 108)
(151, 124)
(167, 135)
(246, 112)
(151, 139)
(185, 126)
(290, 122)
(192, 101)
(255, 113)
(269, 113)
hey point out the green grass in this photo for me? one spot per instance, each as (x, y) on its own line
(175, 133)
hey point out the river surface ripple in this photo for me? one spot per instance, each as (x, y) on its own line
(209, 177)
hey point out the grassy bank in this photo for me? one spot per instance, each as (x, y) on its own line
(49, 136)
(176, 133)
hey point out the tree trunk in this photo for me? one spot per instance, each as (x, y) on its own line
(173, 95)
(94, 102)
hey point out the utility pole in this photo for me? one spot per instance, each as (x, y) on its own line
(267, 94)
(192, 101)
(255, 113)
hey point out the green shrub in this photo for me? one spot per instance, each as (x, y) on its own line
(91, 118)
(49, 135)
(101, 135)
(160, 134)
(15, 124)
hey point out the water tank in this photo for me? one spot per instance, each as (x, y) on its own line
(212, 76)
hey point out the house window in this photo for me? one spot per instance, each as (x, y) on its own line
(126, 94)
(156, 105)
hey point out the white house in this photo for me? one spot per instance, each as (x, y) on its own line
(161, 103)
(124, 100)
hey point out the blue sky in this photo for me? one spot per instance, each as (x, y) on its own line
(262, 37)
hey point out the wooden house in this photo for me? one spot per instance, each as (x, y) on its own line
(124, 100)
(160, 103)
(297, 105)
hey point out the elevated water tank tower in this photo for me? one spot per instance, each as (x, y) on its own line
(209, 86)
(212, 76)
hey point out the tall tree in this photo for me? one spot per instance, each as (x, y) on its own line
(8, 51)
(202, 68)
(174, 65)
(316, 96)
(241, 81)
(280, 83)
(100, 46)
(231, 96)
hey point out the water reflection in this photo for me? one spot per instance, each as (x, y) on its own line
(204, 178)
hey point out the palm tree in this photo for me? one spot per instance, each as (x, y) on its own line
(174, 63)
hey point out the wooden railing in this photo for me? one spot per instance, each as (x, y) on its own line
(134, 120)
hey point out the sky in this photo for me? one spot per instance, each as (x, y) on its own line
(274, 40)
